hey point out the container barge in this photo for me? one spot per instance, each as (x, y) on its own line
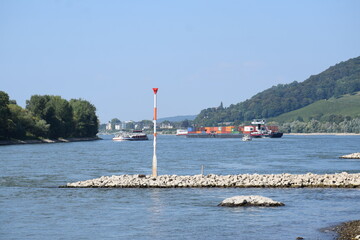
(214, 132)
(214, 135)
(257, 129)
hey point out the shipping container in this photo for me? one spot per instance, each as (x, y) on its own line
(273, 128)
(229, 128)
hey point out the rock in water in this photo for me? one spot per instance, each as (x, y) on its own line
(245, 201)
(352, 156)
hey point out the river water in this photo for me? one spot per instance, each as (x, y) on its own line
(33, 207)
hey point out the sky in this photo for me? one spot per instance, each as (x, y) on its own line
(199, 53)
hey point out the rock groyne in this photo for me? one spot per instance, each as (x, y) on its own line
(348, 230)
(285, 180)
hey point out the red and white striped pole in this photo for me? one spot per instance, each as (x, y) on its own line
(154, 161)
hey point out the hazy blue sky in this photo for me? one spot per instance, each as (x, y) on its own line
(198, 53)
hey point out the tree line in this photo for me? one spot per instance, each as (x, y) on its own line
(47, 116)
(343, 78)
(347, 125)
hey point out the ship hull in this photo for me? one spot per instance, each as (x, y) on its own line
(130, 139)
(271, 135)
(214, 135)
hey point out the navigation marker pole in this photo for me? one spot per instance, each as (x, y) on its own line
(154, 161)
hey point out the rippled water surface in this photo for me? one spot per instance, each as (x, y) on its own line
(33, 207)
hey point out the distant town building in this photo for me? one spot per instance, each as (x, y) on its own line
(146, 127)
(166, 126)
(108, 126)
(117, 126)
(127, 125)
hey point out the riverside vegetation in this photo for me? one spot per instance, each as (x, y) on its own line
(47, 117)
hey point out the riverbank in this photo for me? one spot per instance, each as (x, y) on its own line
(285, 180)
(323, 134)
(38, 141)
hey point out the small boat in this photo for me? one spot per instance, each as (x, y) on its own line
(135, 135)
(181, 132)
(246, 138)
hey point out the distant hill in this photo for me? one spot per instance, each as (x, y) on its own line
(338, 80)
(177, 118)
(325, 110)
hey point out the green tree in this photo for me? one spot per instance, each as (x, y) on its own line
(185, 123)
(85, 119)
(37, 105)
(40, 128)
(4, 115)
(64, 117)
(114, 122)
(56, 111)
(25, 124)
(21, 121)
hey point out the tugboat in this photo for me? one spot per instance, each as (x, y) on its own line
(260, 130)
(135, 135)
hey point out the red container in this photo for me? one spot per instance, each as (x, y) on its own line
(273, 128)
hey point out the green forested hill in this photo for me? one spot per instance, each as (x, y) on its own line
(330, 110)
(338, 80)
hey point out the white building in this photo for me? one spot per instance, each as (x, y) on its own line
(166, 126)
(108, 126)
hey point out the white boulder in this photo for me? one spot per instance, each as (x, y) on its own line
(252, 200)
(352, 156)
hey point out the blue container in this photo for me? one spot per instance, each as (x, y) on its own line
(191, 129)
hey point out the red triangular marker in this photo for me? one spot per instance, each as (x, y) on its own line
(155, 90)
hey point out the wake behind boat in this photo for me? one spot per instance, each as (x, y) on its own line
(135, 135)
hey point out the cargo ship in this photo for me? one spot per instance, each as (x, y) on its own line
(257, 129)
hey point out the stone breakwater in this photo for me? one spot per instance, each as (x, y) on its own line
(285, 180)
(352, 156)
